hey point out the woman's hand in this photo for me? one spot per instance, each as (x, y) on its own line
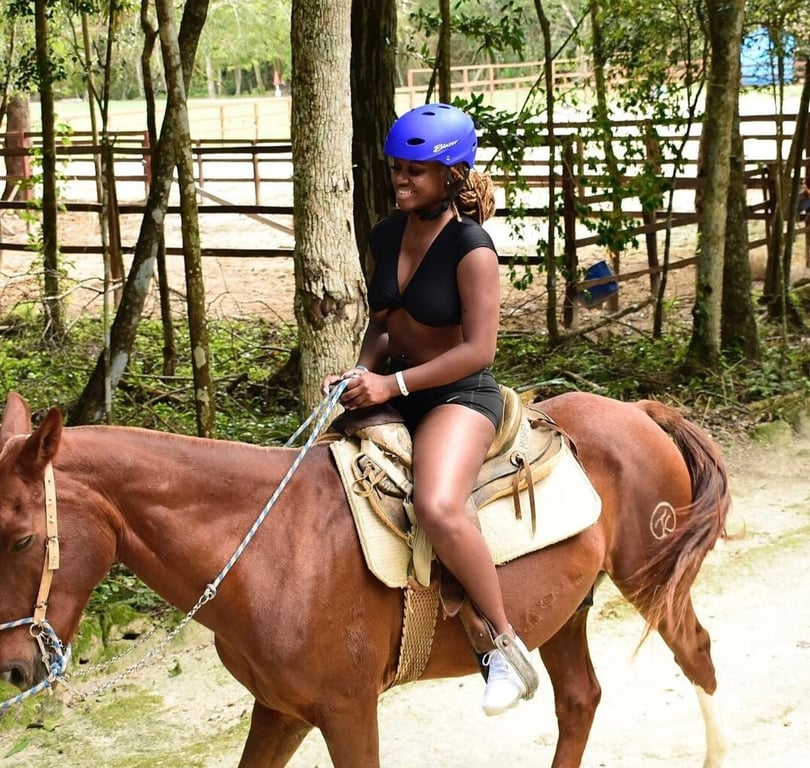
(365, 389)
(335, 379)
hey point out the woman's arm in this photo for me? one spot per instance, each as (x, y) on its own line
(478, 277)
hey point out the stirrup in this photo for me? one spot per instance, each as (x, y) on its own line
(520, 663)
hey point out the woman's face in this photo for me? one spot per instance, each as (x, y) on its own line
(418, 185)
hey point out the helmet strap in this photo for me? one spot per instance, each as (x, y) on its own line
(452, 188)
(426, 214)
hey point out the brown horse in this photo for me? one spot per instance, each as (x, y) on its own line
(299, 620)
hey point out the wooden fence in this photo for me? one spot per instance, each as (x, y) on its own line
(254, 180)
(511, 82)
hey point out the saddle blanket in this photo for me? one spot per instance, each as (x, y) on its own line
(566, 504)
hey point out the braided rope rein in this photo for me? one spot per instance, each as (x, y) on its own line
(56, 659)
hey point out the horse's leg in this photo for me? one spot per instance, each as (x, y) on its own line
(691, 645)
(273, 738)
(576, 690)
(351, 733)
(716, 741)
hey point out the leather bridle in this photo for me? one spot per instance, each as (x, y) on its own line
(54, 659)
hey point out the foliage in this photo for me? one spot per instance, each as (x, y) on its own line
(242, 39)
(121, 587)
(491, 34)
(256, 393)
(633, 366)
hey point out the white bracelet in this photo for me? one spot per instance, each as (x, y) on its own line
(361, 367)
(401, 383)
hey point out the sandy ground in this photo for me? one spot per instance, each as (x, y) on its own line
(183, 708)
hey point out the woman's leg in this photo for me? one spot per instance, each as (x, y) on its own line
(449, 447)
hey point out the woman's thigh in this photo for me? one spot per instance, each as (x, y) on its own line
(449, 447)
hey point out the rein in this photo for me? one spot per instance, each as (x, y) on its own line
(54, 658)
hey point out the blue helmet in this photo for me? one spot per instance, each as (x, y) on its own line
(433, 132)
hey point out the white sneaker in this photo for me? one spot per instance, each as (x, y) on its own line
(504, 686)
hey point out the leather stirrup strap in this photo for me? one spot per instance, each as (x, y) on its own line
(525, 467)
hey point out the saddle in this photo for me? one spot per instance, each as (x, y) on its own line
(531, 465)
(524, 450)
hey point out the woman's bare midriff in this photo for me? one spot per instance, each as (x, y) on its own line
(416, 343)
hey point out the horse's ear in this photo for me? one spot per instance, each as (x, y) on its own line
(16, 418)
(42, 445)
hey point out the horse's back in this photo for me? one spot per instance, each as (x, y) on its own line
(605, 429)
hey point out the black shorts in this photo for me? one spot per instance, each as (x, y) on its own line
(478, 391)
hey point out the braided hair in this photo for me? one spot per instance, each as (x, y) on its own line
(473, 193)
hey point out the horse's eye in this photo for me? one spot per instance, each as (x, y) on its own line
(22, 544)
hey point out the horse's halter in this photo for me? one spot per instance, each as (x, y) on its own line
(50, 646)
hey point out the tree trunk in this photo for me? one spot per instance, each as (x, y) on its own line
(17, 139)
(725, 31)
(150, 36)
(788, 183)
(443, 53)
(257, 73)
(54, 309)
(551, 273)
(90, 407)
(605, 129)
(330, 303)
(204, 402)
(374, 34)
(210, 78)
(738, 331)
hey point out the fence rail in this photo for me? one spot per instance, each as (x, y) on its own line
(243, 178)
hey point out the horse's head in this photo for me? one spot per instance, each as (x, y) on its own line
(24, 459)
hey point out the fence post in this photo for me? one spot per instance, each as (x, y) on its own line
(650, 218)
(768, 196)
(257, 182)
(147, 164)
(200, 172)
(569, 235)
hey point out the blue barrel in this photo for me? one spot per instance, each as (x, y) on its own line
(596, 294)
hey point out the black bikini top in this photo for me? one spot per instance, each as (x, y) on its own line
(431, 297)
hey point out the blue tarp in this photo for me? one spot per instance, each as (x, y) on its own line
(758, 58)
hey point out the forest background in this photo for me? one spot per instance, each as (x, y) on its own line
(338, 118)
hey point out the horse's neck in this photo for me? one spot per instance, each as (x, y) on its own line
(179, 506)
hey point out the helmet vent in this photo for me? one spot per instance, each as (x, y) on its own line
(415, 142)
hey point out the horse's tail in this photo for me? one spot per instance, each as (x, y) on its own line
(661, 587)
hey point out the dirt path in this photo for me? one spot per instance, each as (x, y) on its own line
(183, 708)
